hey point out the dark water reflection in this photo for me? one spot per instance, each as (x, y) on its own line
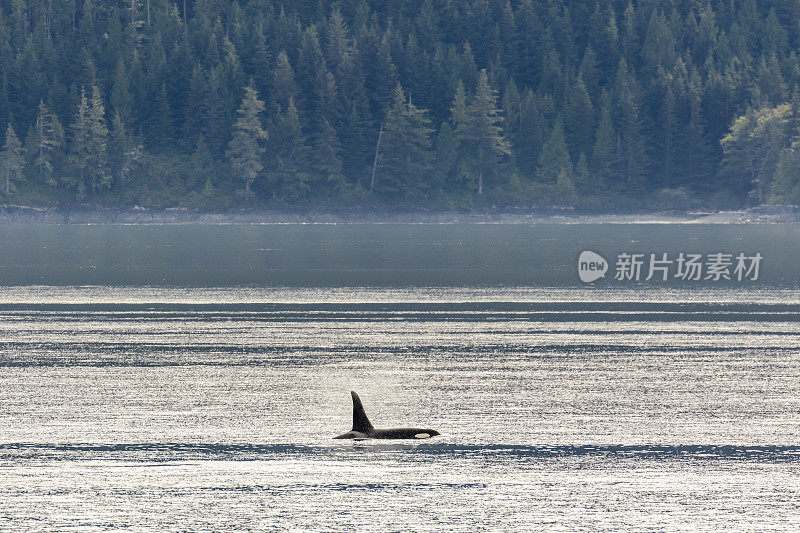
(364, 254)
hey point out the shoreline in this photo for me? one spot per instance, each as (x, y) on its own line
(15, 214)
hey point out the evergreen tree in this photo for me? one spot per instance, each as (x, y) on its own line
(667, 134)
(604, 151)
(48, 141)
(588, 69)
(287, 170)
(630, 35)
(564, 191)
(512, 111)
(458, 111)
(326, 156)
(770, 87)
(579, 119)
(554, 159)
(282, 87)
(159, 130)
(257, 62)
(445, 157)
(586, 183)
(80, 155)
(695, 165)
(354, 130)
(536, 114)
(204, 169)
(382, 76)
(311, 70)
(88, 154)
(786, 184)
(631, 140)
(478, 129)
(405, 150)
(12, 161)
(122, 101)
(354, 127)
(98, 136)
(659, 45)
(246, 147)
(214, 118)
(194, 107)
(124, 154)
(338, 44)
(326, 101)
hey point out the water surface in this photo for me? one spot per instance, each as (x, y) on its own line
(365, 255)
(183, 406)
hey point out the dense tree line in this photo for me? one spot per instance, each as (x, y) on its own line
(423, 104)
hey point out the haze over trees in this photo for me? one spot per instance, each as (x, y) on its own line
(456, 104)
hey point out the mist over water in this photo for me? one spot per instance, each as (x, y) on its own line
(208, 399)
(368, 255)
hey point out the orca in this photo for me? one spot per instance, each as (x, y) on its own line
(362, 428)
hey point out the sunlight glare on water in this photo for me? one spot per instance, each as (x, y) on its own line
(572, 409)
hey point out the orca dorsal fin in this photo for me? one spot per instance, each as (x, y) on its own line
(360, 420)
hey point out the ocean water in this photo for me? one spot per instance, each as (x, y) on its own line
(564, 407)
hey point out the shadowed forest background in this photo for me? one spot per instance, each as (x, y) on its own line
(452, 104)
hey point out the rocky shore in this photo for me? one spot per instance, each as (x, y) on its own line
(16, 214)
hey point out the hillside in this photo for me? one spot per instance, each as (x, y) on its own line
(437, 105)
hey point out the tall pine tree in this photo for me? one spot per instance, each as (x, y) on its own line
(12, 162)
(48, 141)
(246, 147)
(288, 157)
(405, 158)
(478, 127)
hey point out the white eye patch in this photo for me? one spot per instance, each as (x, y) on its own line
(422, 436)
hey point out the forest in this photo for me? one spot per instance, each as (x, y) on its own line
(400, 105)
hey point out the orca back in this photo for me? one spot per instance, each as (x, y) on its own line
(404, 433)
